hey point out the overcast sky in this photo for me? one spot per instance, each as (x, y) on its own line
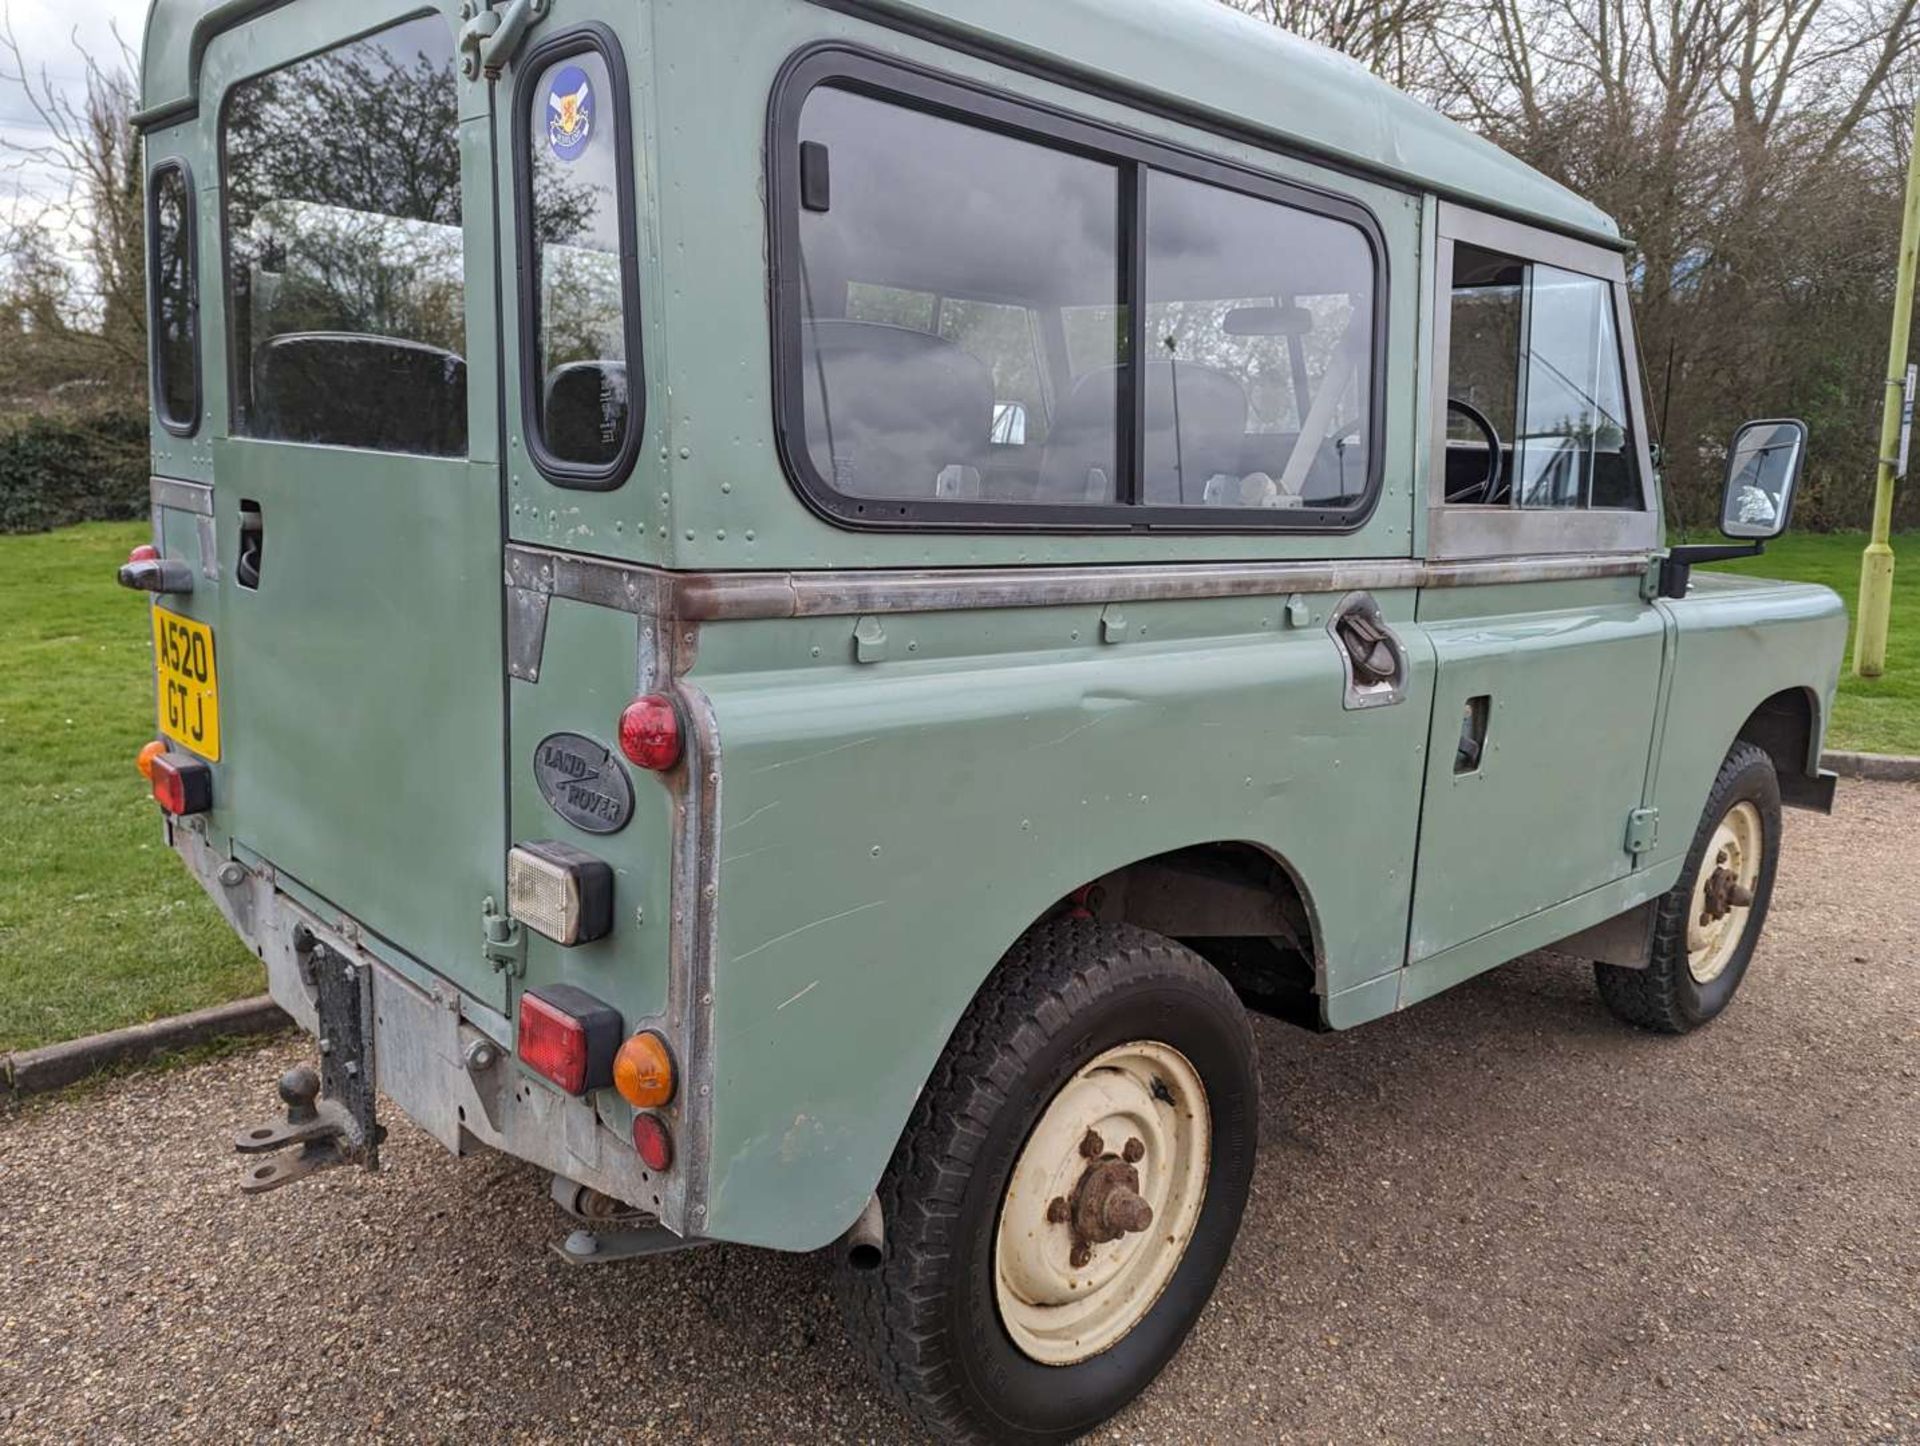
(46, 31)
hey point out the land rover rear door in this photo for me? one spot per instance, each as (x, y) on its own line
(357, 476)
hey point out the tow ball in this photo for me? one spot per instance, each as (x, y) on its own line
(329, 1110)
(324, 1130)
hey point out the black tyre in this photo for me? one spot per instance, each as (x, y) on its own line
(1709, 922)
(1090, 1128)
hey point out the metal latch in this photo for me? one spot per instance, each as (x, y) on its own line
(1643, 829)
(503, 940)
(869, 640)
(1373, 660)
(489, 36)
(1367, 645)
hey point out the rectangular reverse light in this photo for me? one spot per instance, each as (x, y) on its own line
(560, 892)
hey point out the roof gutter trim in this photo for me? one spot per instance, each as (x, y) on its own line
(1062, 71)
(224, 16)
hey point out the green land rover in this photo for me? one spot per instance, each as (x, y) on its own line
(791, 608)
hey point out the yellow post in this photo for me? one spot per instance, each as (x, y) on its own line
(1876, 564)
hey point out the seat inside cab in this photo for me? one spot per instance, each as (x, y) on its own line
(963, 333)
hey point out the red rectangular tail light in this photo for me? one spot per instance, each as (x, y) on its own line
(182, 785)
(569, 1037)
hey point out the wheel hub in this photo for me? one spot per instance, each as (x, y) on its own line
(1724, 893)
(1102, 1202)
(1106, 1203)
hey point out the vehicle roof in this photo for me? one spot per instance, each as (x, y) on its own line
(1201, 57)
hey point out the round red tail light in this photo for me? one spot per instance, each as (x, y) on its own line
(652, 1140)
(650, 732)
(145, 552)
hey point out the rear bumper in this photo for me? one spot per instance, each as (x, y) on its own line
(445, 1060)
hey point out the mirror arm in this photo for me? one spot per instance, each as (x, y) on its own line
(1676, 568)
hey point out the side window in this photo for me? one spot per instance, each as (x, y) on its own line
(579, 315)
(175, 323)
(345, 257)
(1260, 351)
(1536, 389)
(925, 272)
(988, 314)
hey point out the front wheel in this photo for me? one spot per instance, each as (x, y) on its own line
(1067, 1190)
(1709, 922)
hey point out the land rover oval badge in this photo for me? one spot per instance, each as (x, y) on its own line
(583, 782)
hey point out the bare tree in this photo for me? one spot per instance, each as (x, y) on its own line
(1752, 151)
(1393, 38)
(78, 320)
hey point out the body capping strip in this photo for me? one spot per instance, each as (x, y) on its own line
(731, 596)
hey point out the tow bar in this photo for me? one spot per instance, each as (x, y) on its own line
(329, 1110)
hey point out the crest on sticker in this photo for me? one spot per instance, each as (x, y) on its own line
(569, 112)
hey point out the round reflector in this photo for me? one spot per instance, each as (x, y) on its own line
(651, 1139)
(643, 1071)
(147, 754)
(650, 732)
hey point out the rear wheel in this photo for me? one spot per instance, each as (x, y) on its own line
(1067, 1191)
(1709, 922)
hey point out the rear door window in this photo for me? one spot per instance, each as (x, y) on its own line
(345, 256)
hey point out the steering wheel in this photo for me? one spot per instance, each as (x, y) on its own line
(1487, 486)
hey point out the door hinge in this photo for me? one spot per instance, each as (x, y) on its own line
(503, 940)
(1652, 578)
(1643, 830)
(489, 36)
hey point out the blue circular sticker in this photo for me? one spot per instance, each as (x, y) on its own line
(569, 112)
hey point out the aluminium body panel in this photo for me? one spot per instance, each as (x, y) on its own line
(710, 492)
(1568, 676)
(890, 828)
(1739, 641)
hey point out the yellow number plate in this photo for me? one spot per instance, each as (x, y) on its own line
(189, 691)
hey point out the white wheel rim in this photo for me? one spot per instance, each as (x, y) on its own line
(1733, 854)
(1057, 1312)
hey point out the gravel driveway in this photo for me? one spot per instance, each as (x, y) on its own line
(1499, 1217)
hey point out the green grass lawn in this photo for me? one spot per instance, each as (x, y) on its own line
(1877, 715)
(100, 924)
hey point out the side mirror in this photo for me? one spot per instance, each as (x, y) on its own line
(1763, 467)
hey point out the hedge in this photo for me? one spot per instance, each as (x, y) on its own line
(60, 469)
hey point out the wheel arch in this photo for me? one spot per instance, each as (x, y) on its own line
(1177, 887)
(1786, 726)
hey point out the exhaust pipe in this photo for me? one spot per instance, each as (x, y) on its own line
(865, 1244)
